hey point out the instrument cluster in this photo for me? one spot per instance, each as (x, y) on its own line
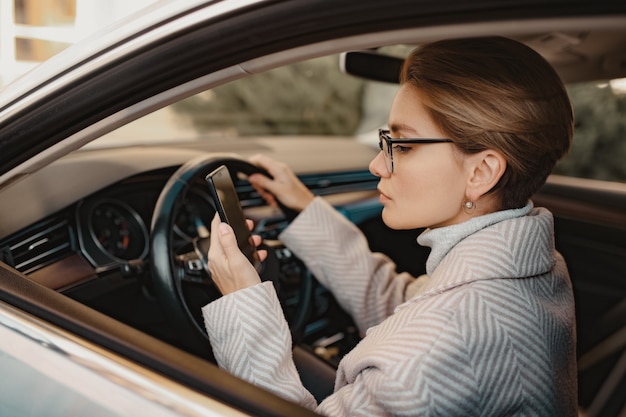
(114, 226)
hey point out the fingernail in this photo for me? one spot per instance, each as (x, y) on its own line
(224, 228)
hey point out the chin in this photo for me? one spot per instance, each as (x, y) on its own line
(395, 223)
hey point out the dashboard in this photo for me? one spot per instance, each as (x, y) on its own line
(109, 230)
(97, 250)
(93, 241)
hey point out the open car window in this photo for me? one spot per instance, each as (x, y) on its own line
(310, 98)
(598, 149)
(315, 97)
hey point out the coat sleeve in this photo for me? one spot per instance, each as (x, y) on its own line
(366, 284)
(250, 339)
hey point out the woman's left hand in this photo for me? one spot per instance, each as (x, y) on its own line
(229, 267)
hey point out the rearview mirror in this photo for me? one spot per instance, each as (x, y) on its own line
(372, 66)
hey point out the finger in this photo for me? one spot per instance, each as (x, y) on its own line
(254, 159)
(215, 247)
(273, 167)
(216, 259)
(260, 181)
(267, 196)
(262, 255)
(250, 224)
(261, 160)
(228, 242)
(257, 240)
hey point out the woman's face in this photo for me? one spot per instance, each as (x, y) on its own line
(427, 187)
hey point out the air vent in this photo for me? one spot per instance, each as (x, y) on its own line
(41, 245)
(340, 182)
(320, 184)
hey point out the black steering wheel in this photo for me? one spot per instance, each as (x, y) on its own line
(181, 282)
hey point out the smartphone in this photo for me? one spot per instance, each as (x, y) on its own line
(229, 209)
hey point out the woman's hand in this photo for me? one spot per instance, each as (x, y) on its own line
(284, 184)
(229, 267)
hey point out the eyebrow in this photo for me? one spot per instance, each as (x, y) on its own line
(400, 127)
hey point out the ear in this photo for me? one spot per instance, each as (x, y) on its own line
(485, 170)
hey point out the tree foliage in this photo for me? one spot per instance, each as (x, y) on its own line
(599, 145)
(306, 98)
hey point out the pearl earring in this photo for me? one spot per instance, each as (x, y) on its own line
(469, 207)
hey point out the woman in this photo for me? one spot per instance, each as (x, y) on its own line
(474, 131)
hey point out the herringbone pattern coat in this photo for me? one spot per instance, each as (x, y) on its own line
(488, 332)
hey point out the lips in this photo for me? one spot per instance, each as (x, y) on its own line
(383, 197)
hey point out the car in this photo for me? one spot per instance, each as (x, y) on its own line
(104, 208)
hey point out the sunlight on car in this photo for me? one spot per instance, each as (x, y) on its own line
(618, 85)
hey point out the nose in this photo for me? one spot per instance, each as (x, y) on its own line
(378, 166)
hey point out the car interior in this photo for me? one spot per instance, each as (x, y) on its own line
(110, 236)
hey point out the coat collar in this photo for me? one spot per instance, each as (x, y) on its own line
(443, 239)
(513, 243)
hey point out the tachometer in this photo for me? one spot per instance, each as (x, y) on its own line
(194, 216)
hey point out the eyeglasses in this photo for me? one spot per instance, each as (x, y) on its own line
(383, 135)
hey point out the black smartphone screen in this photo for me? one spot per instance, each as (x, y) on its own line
(229, 209)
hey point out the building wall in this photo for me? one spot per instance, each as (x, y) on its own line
(32, 31)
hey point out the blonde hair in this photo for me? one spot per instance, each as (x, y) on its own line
(496, 93)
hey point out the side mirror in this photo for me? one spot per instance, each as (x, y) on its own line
(372, 66)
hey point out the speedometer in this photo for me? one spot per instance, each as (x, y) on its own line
(117, 230)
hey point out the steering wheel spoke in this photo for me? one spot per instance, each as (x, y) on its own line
(193, 269)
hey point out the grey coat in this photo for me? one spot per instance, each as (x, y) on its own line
(488, 332)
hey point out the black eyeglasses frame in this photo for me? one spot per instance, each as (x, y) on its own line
(384, 135)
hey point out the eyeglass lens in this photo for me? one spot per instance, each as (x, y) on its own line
(385, 146)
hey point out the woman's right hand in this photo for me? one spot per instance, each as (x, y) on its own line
(284, 184)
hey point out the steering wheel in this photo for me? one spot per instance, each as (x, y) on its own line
(182, 282)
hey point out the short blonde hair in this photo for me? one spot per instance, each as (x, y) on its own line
(496, 93)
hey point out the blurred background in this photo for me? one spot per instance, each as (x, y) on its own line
(32, 31)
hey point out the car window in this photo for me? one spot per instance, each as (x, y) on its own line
(308, 98)
(315, 98)
(598, 149)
